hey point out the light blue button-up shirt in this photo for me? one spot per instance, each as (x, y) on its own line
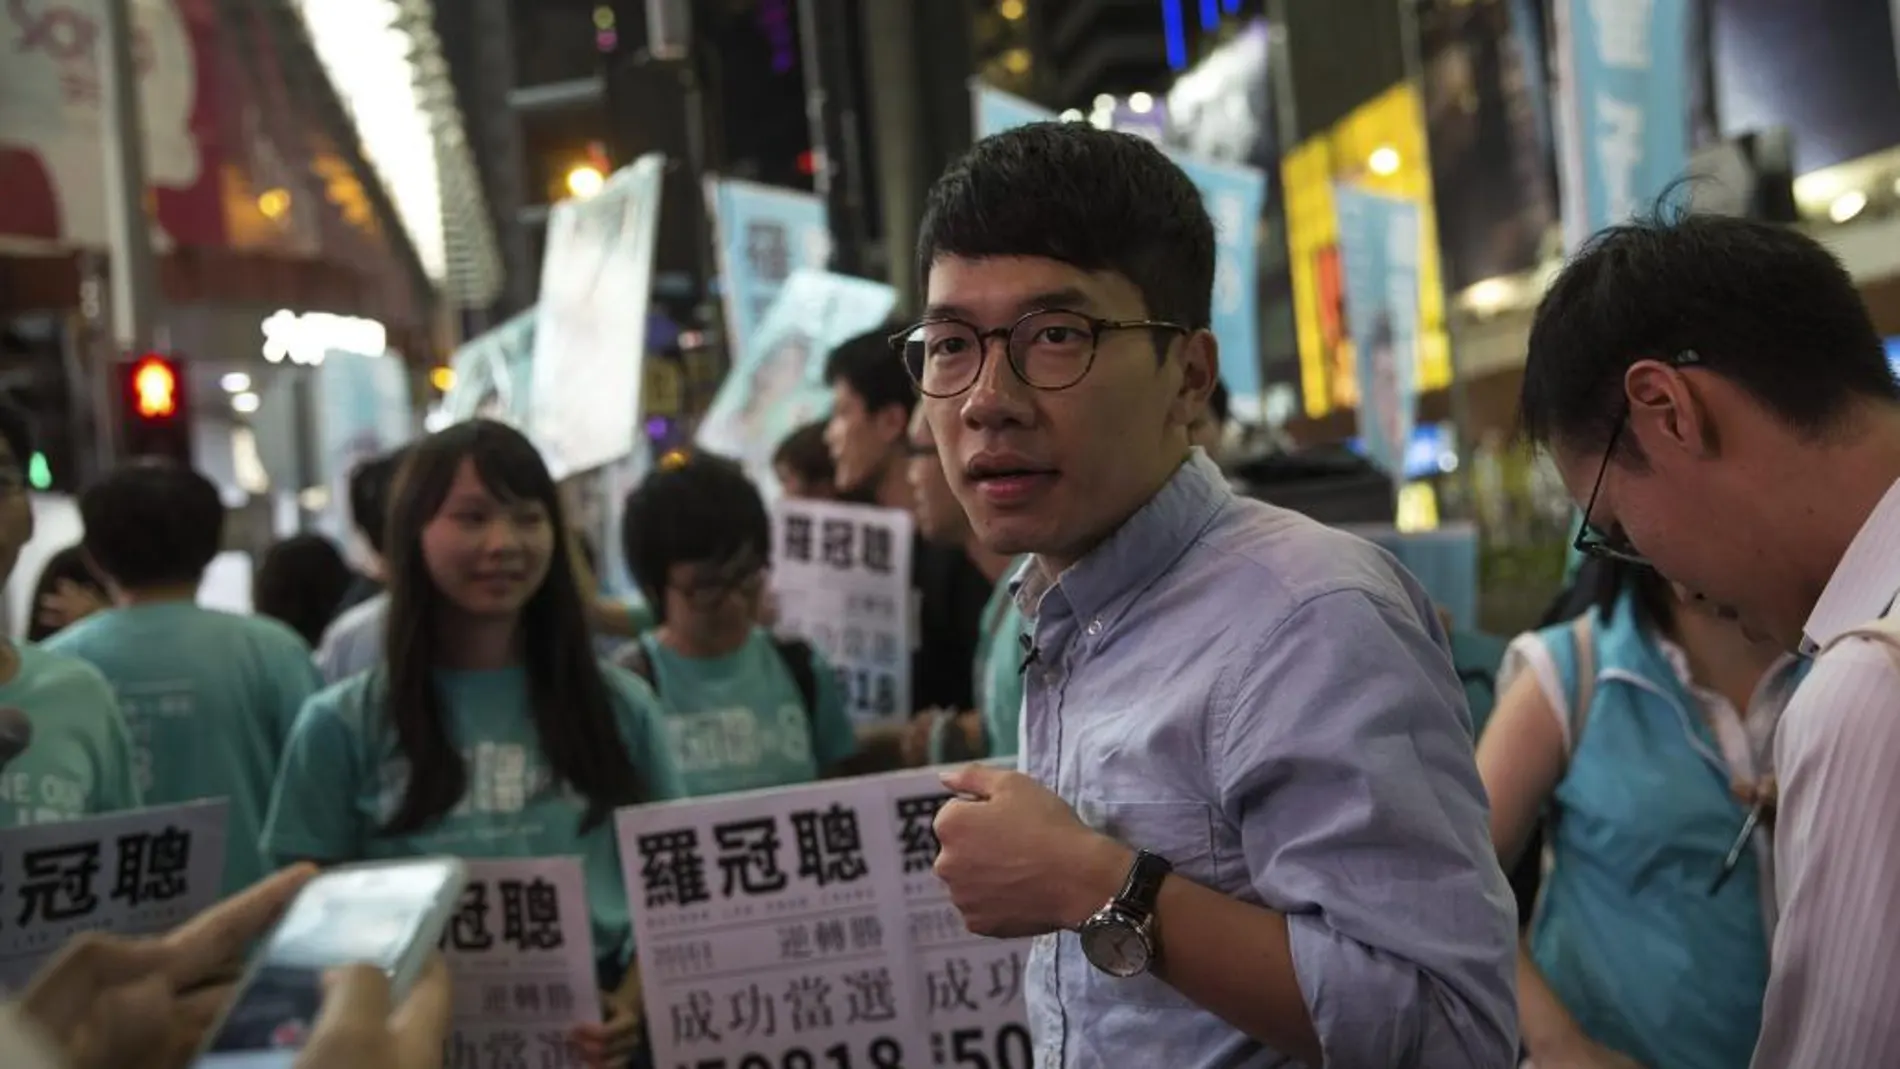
(1270, 704)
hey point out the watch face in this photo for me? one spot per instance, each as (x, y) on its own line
(1116, 945)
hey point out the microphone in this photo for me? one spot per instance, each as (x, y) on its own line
(1031, 653)
(16, 734)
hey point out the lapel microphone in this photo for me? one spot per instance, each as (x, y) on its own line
(1031, 653)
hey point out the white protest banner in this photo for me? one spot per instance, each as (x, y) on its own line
(770, 928)
(590, 336)
(971, 986)
(842, 577)
(133, 873)
(522, 957)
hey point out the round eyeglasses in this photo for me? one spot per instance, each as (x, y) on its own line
(1048, 350)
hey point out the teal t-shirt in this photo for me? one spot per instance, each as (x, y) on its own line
(209, 698)
(342, 780)
(999, 678)
(738, 723)
(78, 759)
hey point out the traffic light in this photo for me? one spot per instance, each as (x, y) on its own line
(155, 409)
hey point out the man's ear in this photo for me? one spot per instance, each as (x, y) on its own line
(1665, 410)
(1200, 372)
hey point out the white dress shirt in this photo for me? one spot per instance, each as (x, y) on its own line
(1833, 998)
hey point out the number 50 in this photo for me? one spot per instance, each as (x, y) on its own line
(1011, 1050)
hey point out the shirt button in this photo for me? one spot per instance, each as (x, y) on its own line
(1095, 627)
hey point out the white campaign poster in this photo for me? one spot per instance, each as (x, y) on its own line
(971, 986)
(591, 331)
(842, 577)
(522, 956)
(134, 873)
(771, 929)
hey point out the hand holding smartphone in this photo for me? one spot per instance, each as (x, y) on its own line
(389, 915)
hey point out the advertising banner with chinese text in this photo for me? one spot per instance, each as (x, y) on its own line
(1234, 196)
(133, 873)
(1624, 107)
(777, 383)
(522, 956)
(1378, 251)
(765, 233)
(770, 928)
(591, 332)
(842, 577)
(1311, 172)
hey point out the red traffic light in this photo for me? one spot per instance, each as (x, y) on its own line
(154, 383)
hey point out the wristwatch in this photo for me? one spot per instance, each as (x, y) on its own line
(1120, 938)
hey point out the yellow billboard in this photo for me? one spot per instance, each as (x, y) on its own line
(1380, 146)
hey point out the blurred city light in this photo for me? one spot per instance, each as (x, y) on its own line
(1016, 60)
(235, 382)
(442, 378)
(1072, 115)
(1384, 161)
(1141, 103)
(1847, 206)
(246, 402)
(273, 203)
(1011, 10)
(585, 180)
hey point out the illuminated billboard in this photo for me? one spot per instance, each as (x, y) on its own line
(1380, 146)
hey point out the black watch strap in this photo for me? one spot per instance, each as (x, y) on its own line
(1143, 886)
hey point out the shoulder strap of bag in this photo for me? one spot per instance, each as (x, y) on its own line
(633, 657)
(1885, 630)
(796, 653)
(1583, 637)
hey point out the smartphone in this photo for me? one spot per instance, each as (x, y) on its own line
(388, 914)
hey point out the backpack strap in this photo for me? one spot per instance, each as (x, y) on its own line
(1885, 631)
(633, 657)
(1583, 638)
(796, 653)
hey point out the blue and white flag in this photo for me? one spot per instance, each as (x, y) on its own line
(997, 111)
(1378, 255)
(765, 233)
(1624, 107)
(777, 384)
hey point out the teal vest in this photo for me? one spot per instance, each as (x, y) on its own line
(1626, 931)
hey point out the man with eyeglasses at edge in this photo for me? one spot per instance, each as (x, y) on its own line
(1249, 830)
(1717, 400)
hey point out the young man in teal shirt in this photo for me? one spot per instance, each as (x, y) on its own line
(989, 729)
(64, 750)
(744, 710)
(209, 696)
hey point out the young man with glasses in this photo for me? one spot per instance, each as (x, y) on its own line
(1716, 397)
(744, 711)
(1248, 829)
(65, 750)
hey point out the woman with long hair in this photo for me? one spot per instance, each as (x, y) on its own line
(489, 729)
(1644, 728)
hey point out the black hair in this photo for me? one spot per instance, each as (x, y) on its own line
(300, 582)
(67, 565)
(16, 429)
(804, 452)
(700, 510)
(1605, 581)
(1094, 199)
(572, 711)
(1218, 402)
(1764, 305)
(152, 523)
(867, 365)
(369, 496)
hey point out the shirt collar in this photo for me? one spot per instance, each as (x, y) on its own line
(1863, 584)
(1144, 546)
